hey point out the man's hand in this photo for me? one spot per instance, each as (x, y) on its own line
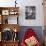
(31, 41)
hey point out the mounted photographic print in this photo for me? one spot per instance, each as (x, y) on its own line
(30, 12)
(5, 12)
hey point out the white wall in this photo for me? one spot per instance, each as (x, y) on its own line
(22, 3)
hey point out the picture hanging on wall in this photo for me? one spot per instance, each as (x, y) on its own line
(30, 12)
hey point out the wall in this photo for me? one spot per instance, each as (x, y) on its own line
(39, 13)
(22, 21)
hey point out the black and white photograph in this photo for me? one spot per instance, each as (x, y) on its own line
(30, 12)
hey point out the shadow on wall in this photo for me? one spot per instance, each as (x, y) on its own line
(37, 29)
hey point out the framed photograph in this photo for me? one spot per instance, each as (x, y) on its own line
(6, 34)
(12, 20)
(5, 12)
(5, 20)
(13, 12)
(30, 12)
